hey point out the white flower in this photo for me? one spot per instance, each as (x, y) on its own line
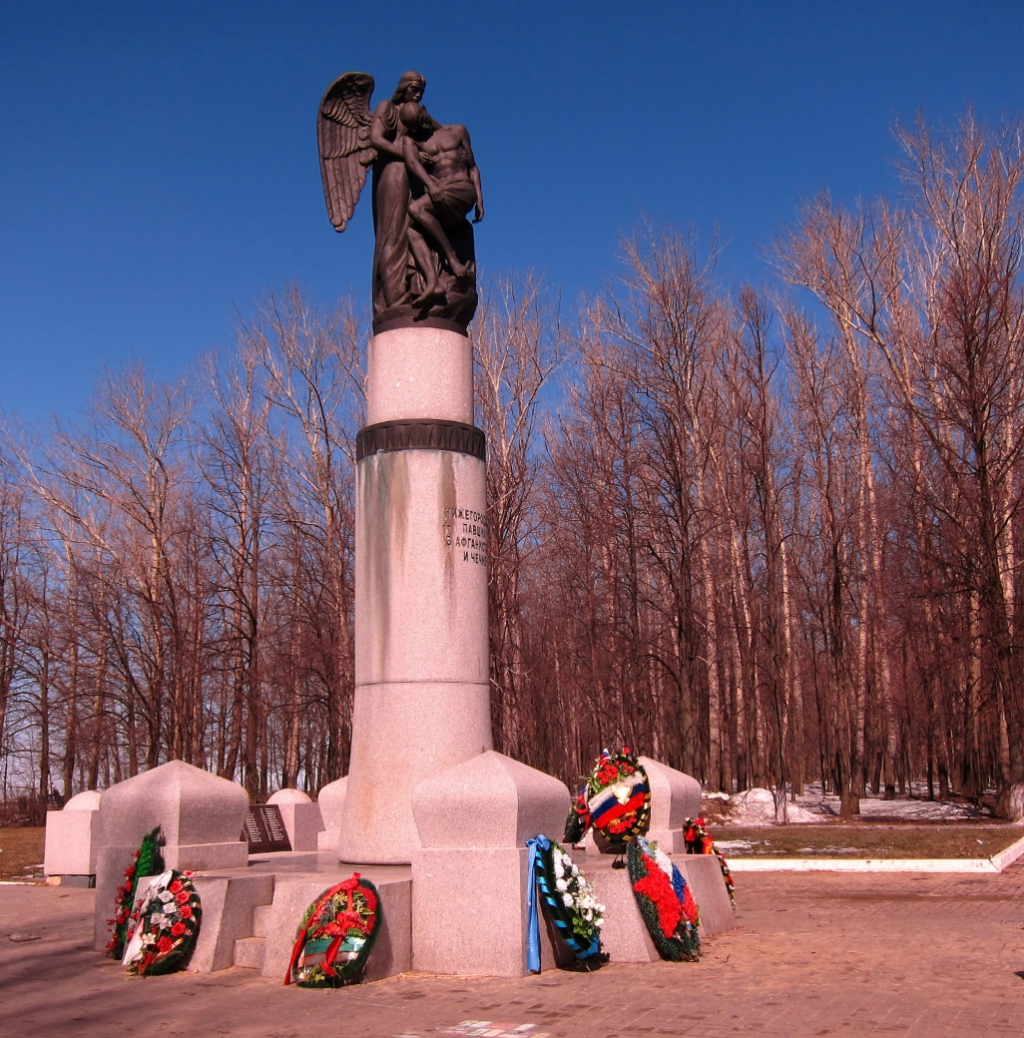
(567, 900)
(575, 870)
(562, 885)
(165, 896)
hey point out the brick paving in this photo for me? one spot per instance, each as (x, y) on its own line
(813, 954)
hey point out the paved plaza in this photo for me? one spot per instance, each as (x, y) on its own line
(813, 954)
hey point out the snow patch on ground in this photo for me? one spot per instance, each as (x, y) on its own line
(758, 807)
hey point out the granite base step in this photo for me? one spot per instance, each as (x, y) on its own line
(250, 952)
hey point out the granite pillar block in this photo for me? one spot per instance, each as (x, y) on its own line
(73, 837)
(675, 796)
(331, 801)
(301, 818)
(421, 570)
(471, 868)
(401, 732)
(200, 818)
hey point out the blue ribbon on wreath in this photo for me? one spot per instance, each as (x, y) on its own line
(539, 843)
(537, 880)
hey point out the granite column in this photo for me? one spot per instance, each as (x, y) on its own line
(422, 692)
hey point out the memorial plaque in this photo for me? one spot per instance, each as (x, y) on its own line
(264, 829)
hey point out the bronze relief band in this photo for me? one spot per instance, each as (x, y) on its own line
(384, 437)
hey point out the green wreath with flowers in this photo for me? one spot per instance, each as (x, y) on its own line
(146, 862)
(164, 924)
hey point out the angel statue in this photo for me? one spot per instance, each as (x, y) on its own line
(425, 182)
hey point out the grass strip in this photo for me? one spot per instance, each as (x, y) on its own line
(858, 840)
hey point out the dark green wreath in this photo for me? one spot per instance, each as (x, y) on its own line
(585, 947)
(147, 861)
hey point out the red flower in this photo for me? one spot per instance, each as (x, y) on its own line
(175, 886)
(164, 945)
(658, 887)
(178, 929)
(186, 912)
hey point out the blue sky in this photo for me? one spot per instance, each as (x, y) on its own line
(158, 167)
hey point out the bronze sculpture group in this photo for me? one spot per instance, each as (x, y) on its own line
(425, 183)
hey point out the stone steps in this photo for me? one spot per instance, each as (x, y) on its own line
(251, 951)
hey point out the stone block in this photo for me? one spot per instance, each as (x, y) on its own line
(73, 837)
(624, 936)
(200, 817)
(87, 800)
(392, 952)
(301, 818)
(474, 820)
(192, 807)
(704, 874)
(332, 802)
(489, 801)
(289, 795)
(261, 919)
(469, 913)
(675, 796)
(229, 903)
(419, 373)
(250, 953)
(327, 840)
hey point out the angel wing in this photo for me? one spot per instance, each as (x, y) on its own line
(343, 134)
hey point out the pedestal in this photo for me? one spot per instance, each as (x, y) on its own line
(422, 695)
(675, 796)
(200, 818)
(469, 877)
(301, 817)
(331, 801)
(72, 839)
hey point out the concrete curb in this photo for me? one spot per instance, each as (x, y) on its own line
(995, 864)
